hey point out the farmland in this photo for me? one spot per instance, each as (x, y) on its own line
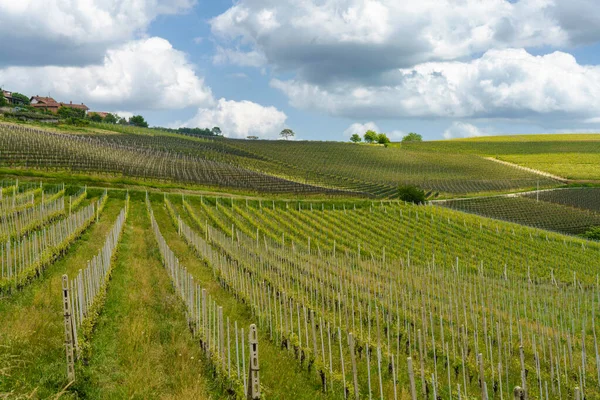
(572, 156)
(303, 168)
(162, 286)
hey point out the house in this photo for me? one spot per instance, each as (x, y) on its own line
(12, 100)
(76, 106)
(45, 103)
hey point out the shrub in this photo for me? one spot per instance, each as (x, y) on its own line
(593, 233)
(412, 194)
(412, 137)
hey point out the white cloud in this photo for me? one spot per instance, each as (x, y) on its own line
(326, 40)
(508, 83)
(237, 57)
(239, 119)
(462, 130)
(74, 32)
(144, 74)
(360, 128)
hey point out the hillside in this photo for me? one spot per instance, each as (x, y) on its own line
(572, 156)
(329, 168)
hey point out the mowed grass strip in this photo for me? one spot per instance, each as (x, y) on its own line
(32, 355)
(280, 372)
(142, 347)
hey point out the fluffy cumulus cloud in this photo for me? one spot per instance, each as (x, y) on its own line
(143, 74)
(325, 40)
(74, 32)
(462, 130)
(239, 119)
(508, 83)
(465, 59)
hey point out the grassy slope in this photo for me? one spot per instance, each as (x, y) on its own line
(280, 372)
(573, 156)
(141, 347)
(32, 354)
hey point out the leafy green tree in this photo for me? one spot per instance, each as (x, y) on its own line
(355, 138)
(110, 119)
(95, 117)
(592, 234)
(122, 121)
(411, 193)
(287, 133)
(138, 120)
(383, 139)
(371, 136)
(3, 101)
(216, 131)
(412, 137)
(69, 112)
(21, 97)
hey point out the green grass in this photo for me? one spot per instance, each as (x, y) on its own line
(141, 347)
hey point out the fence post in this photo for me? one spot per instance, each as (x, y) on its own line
(68, 329)
(253, 375)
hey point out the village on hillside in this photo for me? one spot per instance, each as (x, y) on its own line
(46, 109)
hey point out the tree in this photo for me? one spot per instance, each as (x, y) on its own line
(216, 131)
(110, 119)
(383, 139)
(21, 97)
(95, 117)
(69, 112)
(138, 120)
(287, 133)
(355, 138)
(411, 193)
(371, 136)
(412, 137)
(3, 101)
(122, 121)
(252, 137)
(592, 234)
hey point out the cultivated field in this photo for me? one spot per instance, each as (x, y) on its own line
(571, 156)
(304, 168)
(147, 283)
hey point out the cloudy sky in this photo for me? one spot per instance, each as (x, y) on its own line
(325, 68)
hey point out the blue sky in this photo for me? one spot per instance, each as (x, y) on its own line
(325, 68)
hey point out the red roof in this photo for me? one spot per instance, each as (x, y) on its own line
(44, 102)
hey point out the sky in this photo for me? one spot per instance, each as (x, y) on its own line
(324, 68)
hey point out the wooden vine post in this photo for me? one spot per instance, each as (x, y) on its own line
(253, 371)
(68, 329)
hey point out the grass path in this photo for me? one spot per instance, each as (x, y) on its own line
(32, 359)
(279, 371)
(141, 347)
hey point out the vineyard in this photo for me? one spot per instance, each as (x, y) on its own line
(249, 269)
(571, 211)
(571, 156)
(169, 296)
(301, 168)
